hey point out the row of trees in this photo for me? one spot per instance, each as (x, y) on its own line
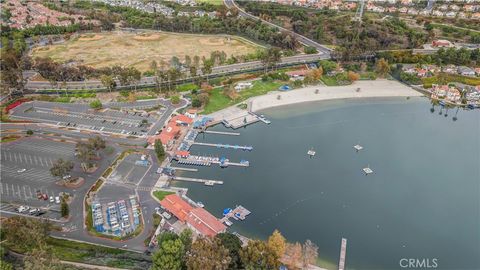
(443, 56)
(225, 251)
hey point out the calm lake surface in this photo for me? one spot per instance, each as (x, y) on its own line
(421, 202)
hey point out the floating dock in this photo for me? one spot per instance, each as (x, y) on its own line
(343, 254)
(184, 169)
(208, 161)
(227, 146)
(206, 182)
(311, 152)
(222, 132)
(239, 213)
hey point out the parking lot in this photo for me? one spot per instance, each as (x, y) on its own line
(79, 116)
(130, 170)
(26, 169)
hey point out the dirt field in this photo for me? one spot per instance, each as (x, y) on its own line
(138, 50)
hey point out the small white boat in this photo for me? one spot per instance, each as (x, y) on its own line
(367, 170)
(200, 204)
(358, 147)
(311, 152)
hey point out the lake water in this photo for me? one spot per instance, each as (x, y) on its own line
(421, 202)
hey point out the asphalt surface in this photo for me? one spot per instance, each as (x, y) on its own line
(36, 154)
(81, 117)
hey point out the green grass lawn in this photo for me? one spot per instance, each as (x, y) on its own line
(330, 81)
(219, 101)
(187, 87)
(160, 194)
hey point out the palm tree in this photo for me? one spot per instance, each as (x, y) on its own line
(455, 116)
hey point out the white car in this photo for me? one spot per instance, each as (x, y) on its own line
(166, 215)
(57, 199)
(21, 170)
(52, 199)
(22, 209)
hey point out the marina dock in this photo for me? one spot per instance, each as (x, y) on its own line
(184, 169)
(239, 213)
(343, 254)
(222, 132)
(208, 161)
(206, 182)
(227, 146)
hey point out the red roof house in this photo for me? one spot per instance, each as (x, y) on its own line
(177, 206)
(204, 223)
(178, 119)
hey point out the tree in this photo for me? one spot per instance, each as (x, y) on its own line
(208, 253)
(26, 233)
(382, 67)
(29, 132)
(293, 255)
(159, 151)
(175, 99)
(64, 209)
(310, 253)
(353, 76)
(85, 151)
(169, 256)
(131, 97)
(207, 67)
(276, 242)
(257, 255)
(186, 238)
(166, 236)
(327, 65)
(234, 245)
(196, 103)
(97, 143)
(61, 168)
(108, 81)
(96, 104)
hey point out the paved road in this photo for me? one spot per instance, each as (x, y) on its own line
(216, 71)
(302, 39)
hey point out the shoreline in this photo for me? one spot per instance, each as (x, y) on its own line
(368, 89)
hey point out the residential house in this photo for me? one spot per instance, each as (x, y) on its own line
(442, 43)
(204, 223)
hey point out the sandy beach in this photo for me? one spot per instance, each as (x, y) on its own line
(377, 88)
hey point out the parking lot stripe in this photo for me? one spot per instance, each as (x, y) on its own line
(15, 156)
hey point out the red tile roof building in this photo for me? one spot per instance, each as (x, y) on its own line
(177, 206)
(201, 221)
(198, 219)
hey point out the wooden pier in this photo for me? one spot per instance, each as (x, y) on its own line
(343, 254)
(198, 180)
(222, 132)
(208, 161)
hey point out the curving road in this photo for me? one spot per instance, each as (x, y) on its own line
(302, 39)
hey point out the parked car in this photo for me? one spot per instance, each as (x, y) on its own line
(45, 197)
(21, 170)
(52, 199)
(22, 209)
(57, 199)
(166, 215)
